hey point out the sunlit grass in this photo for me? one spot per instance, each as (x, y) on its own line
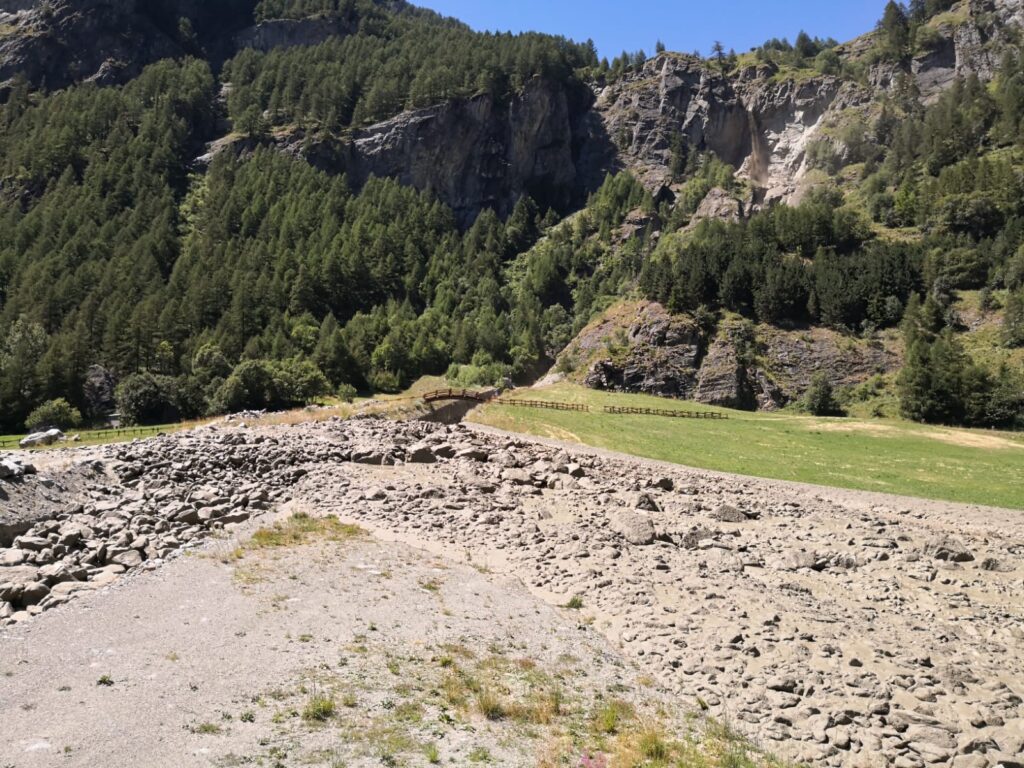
(886, 455)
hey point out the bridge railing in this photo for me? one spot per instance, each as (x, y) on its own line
(456, 394)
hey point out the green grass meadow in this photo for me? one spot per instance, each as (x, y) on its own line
(889, 456)
(100, 436)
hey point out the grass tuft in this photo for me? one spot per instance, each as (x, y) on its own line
(300, 529)
(611, 716)
(319, 709)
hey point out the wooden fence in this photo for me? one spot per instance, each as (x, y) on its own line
(664, 412)
(545, 404)
(611, 409)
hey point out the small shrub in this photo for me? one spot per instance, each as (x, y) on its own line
(575, 603)
(568, 361)
(346, 393)
(820, 399)
(432, 753)
(542, 709)
(59, 414)
(105, 681)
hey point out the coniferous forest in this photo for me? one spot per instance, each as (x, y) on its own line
(132, 279)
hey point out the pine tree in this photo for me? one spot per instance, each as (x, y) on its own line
(819, 400)
(1013, 319)
(718, 52)
(894, 31)
(915, 384)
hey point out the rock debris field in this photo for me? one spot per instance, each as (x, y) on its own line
(833, 627)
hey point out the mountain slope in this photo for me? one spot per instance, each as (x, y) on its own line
(355, 193)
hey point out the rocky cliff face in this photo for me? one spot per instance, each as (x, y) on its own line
(548, 141)
(969, 39)
(763, 124)
(481, 153)
(68, 42)
(472, 153)
(288, 33)
(62, 42)
(760, 126)
(662, 357)
(647, 350)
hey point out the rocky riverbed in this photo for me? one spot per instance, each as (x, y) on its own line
(834, 627)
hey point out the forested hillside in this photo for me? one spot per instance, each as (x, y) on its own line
(394, 61)
(133, 277)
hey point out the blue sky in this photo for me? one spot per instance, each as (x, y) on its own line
(684, 25)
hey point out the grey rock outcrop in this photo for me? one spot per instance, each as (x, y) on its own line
(12, 469)
(719, 205)
(474, 153)
(663, 357)
(794, 356)
(288, 33)
(634, 526)
(760, 127)
(670, 356)
(110, 41)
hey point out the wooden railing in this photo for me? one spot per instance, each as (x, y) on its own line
(545, 404)
(611, 409)
(672, 414)
(457, 394)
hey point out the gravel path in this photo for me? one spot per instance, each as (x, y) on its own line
(211, 663)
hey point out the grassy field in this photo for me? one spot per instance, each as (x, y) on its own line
(890, 456)
(102, 436)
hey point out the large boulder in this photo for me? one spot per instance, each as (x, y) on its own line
(949, 549)
(39, 439)
(634, 526)
(10, 469)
